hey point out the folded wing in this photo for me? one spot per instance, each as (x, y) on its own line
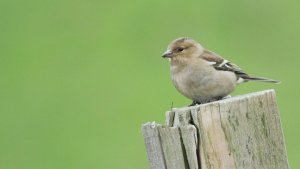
(222, 64)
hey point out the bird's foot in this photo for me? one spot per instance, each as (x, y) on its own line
(220, 98)
(194, 103)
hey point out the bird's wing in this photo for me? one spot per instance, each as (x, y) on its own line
(220, 63)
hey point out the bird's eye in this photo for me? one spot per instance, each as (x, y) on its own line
(179, 49)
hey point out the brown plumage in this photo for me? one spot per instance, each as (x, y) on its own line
(202, 75)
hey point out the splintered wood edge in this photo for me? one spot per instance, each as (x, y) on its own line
(190, 141)
(173, 149)
(153, 145)
(172, 116)
(180, 120)
(165, 146)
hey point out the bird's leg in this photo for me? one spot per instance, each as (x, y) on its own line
(220, 98)
(194, 103)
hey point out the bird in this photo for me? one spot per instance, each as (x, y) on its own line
(202, 75)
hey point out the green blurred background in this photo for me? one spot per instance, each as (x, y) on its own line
(78, 78)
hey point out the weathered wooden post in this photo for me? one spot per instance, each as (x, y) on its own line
(242, 132)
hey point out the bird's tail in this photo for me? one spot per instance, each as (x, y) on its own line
(262, 79)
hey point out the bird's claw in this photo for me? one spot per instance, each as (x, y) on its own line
(194, 103)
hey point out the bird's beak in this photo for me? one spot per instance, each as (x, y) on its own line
(168, 54)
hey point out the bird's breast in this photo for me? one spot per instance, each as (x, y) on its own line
(202, 84)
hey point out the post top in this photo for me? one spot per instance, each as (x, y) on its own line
(227, 100)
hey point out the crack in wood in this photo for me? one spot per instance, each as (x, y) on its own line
(242, 132)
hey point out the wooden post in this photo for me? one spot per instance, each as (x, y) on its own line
(242, 132)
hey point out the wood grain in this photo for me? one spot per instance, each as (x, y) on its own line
(242, 132)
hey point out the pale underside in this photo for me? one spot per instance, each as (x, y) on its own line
(203, 84)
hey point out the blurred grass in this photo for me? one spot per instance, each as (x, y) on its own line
(78, 78)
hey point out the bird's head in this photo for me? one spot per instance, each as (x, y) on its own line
(182, 49)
